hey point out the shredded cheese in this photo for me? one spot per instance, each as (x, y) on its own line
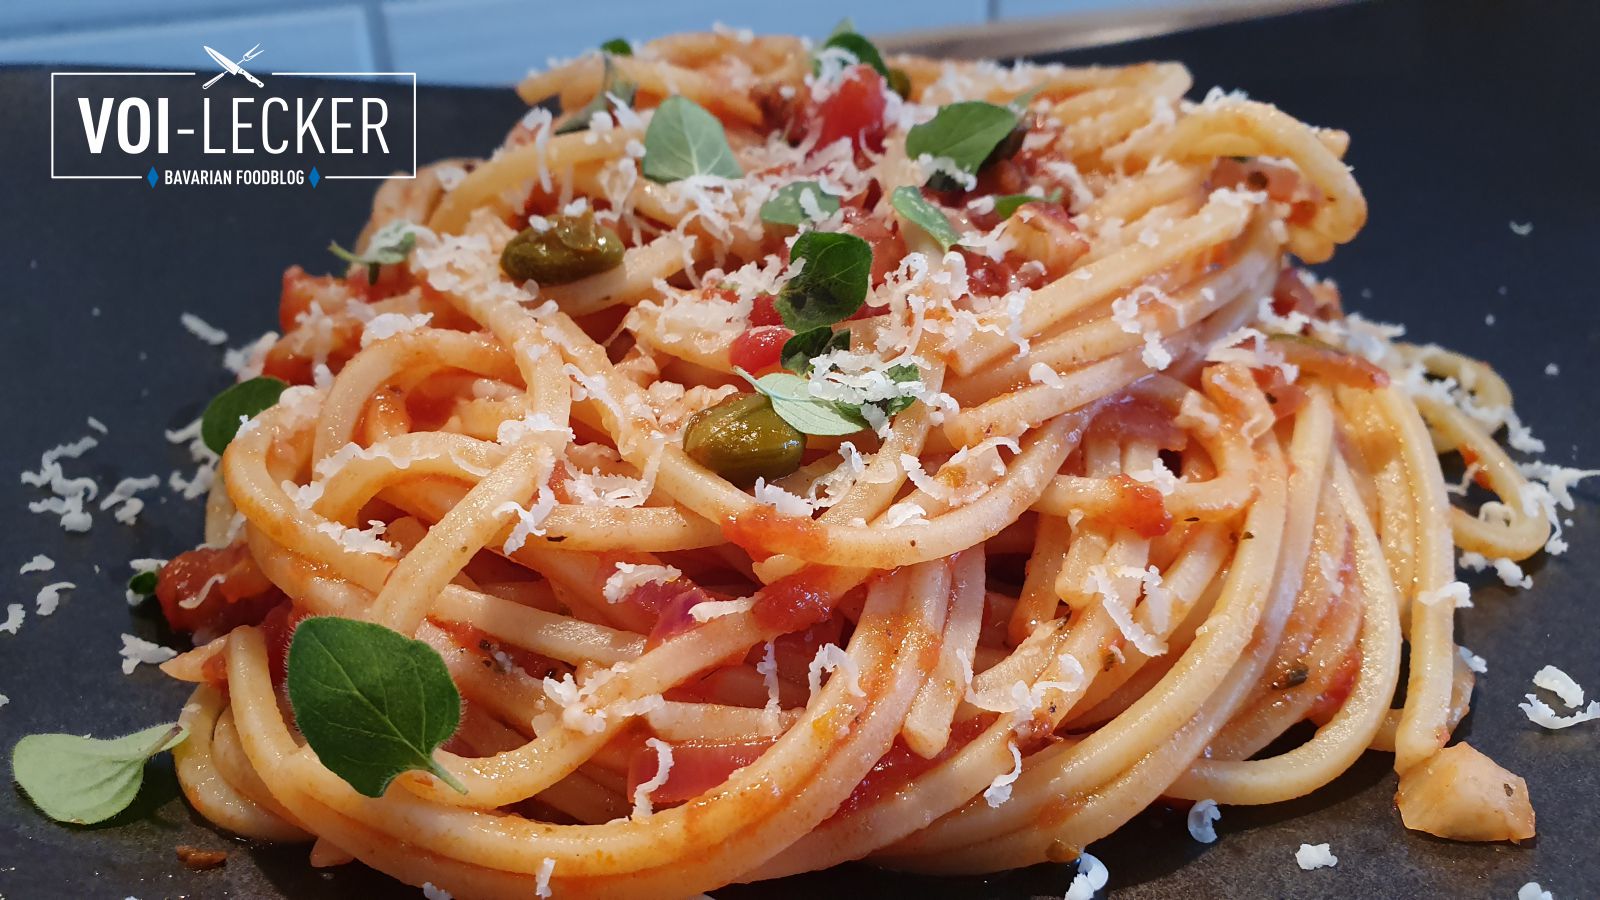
(1203, 817)
(641, 794)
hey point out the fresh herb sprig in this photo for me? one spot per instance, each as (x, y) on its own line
(229, 409)
(792, 401)
(915, 208)
(1006, 204)
(371, 702)
(967, 134)
(784, 207)
(85, 780)
(684, 140)
(390, 245)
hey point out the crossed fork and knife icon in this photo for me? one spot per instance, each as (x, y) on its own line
(229, 67)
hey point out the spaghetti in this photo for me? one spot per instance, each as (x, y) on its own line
(1128, 497)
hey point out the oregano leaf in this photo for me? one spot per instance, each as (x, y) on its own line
(371, 702)
(389, 246)
(964, 133)
(85, 780)
(785, 206)
(1007, 204)
(832, 281)
(683, 140)
(228, 410)
(915, 208)
(800, 350)
(792, 401)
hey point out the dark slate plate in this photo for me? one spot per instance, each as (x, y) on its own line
(1465, 116)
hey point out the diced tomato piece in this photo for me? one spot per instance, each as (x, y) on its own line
(1138, 506)
(1284, 396)
(697, 767)
(764, 531)
(854, 110)
(1139, 419)
(793, 652)
(676, 599)
(792, 603)
(1279, 182)
(883, 238)
(277, 629)
(239, 595)
(765, 311)
(1291, 295)
(759, 349)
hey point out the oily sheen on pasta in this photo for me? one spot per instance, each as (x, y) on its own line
(1127, 494)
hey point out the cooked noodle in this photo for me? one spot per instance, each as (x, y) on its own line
(1114, 549)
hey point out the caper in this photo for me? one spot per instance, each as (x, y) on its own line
(743, 439)
(573, 247)
(900, 83)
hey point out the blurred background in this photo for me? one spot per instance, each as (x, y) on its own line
(492, 42)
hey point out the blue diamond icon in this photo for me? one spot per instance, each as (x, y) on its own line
(152, 177)
(315, 176)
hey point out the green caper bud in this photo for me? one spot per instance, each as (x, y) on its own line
(573, 247)
(743, 439)
(900, 83)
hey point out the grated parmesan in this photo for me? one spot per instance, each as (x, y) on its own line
(629, 576)
(14, 616)
(1091, 877)
(136, 650)
(49, 597)
(40, 563)
(1561, 684)
(1315, 856)
(999, 790)
(541, 886)
(833, 659)
(1203, 817)
(203, 330)
(641, 794)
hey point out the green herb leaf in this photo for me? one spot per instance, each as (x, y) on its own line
(683, 140)
(390, 245)
(794, 404)
(831, 284)
(612, 84)
(965, 133)
(617, 47)
(845, 26)
(800, 350)
(1007, 204)
(228, 410)
(372, 703)
(862, 49)
(901, 374)
(915, 208)
(84, 780)
(784, 207)
(143, 583)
